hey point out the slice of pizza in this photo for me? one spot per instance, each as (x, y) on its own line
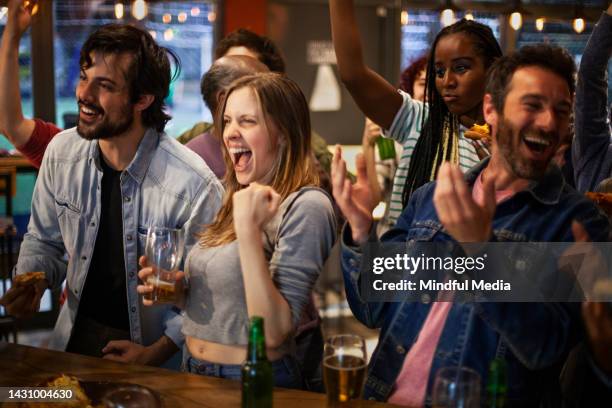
(28, 278)
(478, 132)
(603, 200)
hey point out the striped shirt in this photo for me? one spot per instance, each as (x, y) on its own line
(406, 129)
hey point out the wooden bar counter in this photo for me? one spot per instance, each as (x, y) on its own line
(29, 366)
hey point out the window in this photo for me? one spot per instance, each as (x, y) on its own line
(25, 74)
(423, 26)
(186, 27)
(561, 34)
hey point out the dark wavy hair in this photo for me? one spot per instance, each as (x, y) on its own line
(268, 52)
(430, 152)
(410, 74)
(149, 72)
(550, 57)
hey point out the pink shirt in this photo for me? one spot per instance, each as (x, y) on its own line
(411, 384)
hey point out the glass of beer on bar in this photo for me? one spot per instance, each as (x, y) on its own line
(344, 368)
(164, 251)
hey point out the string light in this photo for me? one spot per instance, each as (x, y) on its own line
(139, 9)
(404, 17)
(578, 25)
(119, 10)
(447, 13)
(447, 17)
(516, 20)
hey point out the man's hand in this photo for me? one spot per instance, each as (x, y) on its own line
(585, 261)
(126, 351)
(461, 216)
(145, 287)
(24, 301)
(353, 200)
(19, 17)
(598, 323)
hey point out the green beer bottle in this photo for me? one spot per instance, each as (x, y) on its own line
(497, 384)
(257, 378)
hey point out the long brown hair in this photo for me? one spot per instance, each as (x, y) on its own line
(284, 105)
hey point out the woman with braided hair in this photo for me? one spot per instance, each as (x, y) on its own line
(431, 132)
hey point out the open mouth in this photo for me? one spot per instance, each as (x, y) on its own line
(241, 156)
(88, 112)
(537, 145)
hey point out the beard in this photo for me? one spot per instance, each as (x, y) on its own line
(107, 128)
(509, 141)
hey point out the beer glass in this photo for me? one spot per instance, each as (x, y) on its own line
(164, 250)
(456, 387)
(344, 368)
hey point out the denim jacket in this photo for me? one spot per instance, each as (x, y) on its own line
(165, 185)
(537, 336)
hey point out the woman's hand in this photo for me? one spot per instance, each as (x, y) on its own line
(254, 206)
(371, 132)
(146, 288)
(19, 18)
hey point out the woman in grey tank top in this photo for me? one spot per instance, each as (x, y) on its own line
(265, 249)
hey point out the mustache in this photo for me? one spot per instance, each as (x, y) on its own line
(94, 108)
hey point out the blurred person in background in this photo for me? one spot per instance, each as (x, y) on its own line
(381, 173)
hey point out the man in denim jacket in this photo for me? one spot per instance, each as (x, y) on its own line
(100, 186)
(516, 195)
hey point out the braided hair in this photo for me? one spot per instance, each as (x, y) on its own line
(430, 148)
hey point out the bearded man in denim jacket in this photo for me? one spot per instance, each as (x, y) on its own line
(100, 186)
(516, 195)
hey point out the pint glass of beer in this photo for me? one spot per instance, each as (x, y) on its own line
(344, 368)
(164, 250)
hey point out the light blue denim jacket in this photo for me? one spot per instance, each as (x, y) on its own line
(166, 184)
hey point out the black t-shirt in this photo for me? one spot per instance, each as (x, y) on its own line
(104, 298)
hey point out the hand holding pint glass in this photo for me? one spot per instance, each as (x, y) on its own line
(344, 368)
(163, 251)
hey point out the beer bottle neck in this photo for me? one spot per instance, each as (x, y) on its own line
(257, 341)
(496, 386)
